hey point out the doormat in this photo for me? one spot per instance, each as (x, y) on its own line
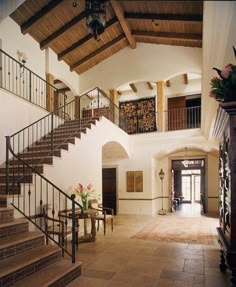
(180, 229)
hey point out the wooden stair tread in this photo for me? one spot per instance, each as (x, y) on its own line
(19, 261)
(16, 221)
(19, 238)
(49, 275)
(6, 208)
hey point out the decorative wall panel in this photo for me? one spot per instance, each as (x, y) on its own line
(141, 115)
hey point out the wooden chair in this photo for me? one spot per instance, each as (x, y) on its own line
(102, 214)
(54, 225)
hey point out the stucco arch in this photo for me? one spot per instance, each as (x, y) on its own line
(114, 150)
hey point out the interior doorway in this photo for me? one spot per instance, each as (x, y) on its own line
(188, 185)
(109, 188)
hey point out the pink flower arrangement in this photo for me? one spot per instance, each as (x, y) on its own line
(223, 88)
(84, 192)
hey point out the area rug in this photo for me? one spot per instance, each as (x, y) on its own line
(192, 230)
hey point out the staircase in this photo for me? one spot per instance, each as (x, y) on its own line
(25, 259)
(39, 154)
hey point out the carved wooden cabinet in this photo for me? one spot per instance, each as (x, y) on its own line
(225, 130)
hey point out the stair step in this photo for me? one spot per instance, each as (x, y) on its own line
(35, 160)
(18, 225)
(6, 215)
(56, 141)
(40, 153)
(27, 178)
(12, 189)
(64, 136)
(47, 147)
(24, 264)
(60, 273)
(21, 168)
(3, 200)
(18, 243)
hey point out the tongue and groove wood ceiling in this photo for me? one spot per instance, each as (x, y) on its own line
(62, 27)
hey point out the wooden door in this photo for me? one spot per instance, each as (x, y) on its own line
(109, 187)
(177, 113)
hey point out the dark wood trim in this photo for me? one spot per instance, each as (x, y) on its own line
(63, 90)
(98, 51)
(214, 197)
(133, 87)
(196, 18)
(57, 82)
(25, 27)
(124, 25)
(149, 86)
(186, 79)
(83, 41)
(170, 36)
(46, 42)
(158, 197)
(168, 83)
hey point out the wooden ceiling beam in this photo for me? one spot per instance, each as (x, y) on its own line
(133, 87)
(25, 27)
(57, 81)
(46, 42)
(191, 19)
(168, 83)
(149, 86)
(186, 79)
(125, 26)
(98, 51)
(63, 90)
(166, 35)
(82, 41)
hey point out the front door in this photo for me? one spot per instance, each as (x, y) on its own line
(109, 188)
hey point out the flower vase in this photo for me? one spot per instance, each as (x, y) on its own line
(85, 204)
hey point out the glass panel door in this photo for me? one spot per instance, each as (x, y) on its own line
(186, 188)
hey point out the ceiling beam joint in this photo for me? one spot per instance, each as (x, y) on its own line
(126, 29)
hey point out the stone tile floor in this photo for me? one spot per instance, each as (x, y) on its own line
(116, 260)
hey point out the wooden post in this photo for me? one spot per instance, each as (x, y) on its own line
(160, 105)
(113, 98)
(77, 107)
(50, 93)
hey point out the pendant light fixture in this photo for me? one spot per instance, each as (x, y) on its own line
(96, 17)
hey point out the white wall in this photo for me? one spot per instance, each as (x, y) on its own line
(15, 114)
(13, 40)
(148, 62)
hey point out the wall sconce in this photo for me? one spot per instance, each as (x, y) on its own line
(161, 176)
(21, 57)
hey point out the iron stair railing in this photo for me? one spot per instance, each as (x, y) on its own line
(16, 78)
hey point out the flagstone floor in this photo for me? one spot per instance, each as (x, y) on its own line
(116, 260)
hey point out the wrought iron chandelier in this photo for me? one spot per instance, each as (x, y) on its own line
(96, 17)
